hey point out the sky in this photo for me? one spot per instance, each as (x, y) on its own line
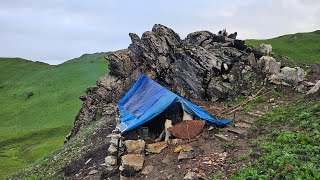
(58, 30)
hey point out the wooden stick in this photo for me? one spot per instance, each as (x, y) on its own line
(246, 102)
(241, 104)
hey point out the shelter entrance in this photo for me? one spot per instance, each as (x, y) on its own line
(147, 105)
(151, 130)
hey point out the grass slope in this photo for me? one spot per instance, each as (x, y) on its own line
(33, 127)
(302, 47)
(287, 154)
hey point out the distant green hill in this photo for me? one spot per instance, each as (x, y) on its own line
(303, 47)
(38, 103)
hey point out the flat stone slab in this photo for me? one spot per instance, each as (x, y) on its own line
(242, 125)
(147, 170)
(93, 172)
(254, 114)
(221, 136)
(249, 121)
(134, 161)
(157, 147)
(135, 147)
(189, 175)
(110, 160)
(186, 147)
(168, 159)
(185, 155)
(238, 131)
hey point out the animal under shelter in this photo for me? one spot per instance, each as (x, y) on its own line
(147, 102)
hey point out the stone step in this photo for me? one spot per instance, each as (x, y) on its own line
(223, 137)
(132, 161)
(168, 159)
(185, 155)
(147, 170)
(254, 114)
(135, 147)
(238, 131)
(249, 120)
(242, 125)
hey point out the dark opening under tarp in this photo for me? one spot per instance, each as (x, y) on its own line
(146, 99)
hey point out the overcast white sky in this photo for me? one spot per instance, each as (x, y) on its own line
(58, 30)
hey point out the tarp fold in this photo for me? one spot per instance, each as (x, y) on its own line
(146, 99)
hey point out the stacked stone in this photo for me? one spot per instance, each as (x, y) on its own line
(111, 159)
(133, 161)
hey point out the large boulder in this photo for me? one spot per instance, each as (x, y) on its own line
(288, 75)
(194, 68)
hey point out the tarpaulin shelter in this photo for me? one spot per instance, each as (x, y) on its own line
(146, 99)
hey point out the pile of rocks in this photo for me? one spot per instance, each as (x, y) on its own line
(133, 160)
(111, 160)
(203, 66)
(278, 75)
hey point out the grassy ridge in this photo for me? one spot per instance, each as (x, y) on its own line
(38, 104)
(303, 47)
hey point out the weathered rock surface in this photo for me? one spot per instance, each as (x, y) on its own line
(314, 89)
(202, 66)
(185, 155)
(288, 75)
(132, 161)
(110, 161)
(186, 147)
(242, 125)
(190, 175)
(93, 172)
(147, 170)
(112, 149)
(238, 131)
(135, 147)
(221, 136)
(157, 147)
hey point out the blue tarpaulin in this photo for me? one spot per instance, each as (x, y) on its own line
(146, 99)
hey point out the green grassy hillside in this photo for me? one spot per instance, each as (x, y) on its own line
(303, 47)
(38, 103)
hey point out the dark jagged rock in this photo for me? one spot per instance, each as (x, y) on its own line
(197, 38)
(202, 67)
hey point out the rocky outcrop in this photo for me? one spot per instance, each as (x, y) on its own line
(202, 66)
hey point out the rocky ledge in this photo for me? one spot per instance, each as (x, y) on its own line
(203, 66)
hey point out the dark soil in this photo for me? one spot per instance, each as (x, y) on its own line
(92, 159)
